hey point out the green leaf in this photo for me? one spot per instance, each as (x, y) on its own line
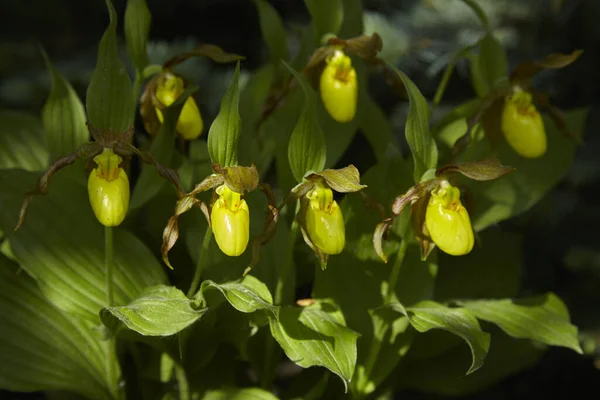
(312, 337)
(61, 245)
(63, 116)
(238, 394)
(247, 295)
(352, 25)
(162, 150)
(517, 192)
(273, 31)
(327, 16)
(476, 8)
(428, 315)
(42, 348)
(543, 318)
(378, 131)
(306, 148)
(22, 142)
(109, 103)
(224, 132)
(420, 141)
(490, 68)
(137, 27)
(158, 311)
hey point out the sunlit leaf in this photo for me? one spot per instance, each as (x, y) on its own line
(543, 318)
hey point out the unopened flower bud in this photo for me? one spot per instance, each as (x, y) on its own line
(189, 124)
(324, 221)
(108, 189)
(230, 220)
(448, 221)
(523, 126)
(339, 88)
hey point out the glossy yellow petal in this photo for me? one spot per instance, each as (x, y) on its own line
(523, 126)
(325, 222)
(448, 221)
(230, 220)
(108, 189)
(339, 88)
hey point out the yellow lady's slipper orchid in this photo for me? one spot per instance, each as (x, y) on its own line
(108, 189)
(523, 126)
(324, 221)
(448, 221)
(230, 220)
(189, 124)
(339, 88)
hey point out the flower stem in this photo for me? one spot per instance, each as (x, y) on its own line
(201, 261)
(112, 377)
(393, 279)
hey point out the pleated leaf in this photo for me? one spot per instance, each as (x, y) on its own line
(63, 116)
(61, 244)
(109, 99)
(22, 143)
(41, 348)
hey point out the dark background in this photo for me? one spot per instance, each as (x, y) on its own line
(561, 233)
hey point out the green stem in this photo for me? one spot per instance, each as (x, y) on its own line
(184, 387)
(137, 85)
(265, 376)
(112, 377)
(201, 261)
(388, 297)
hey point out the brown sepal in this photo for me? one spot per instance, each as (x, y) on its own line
(211, 51)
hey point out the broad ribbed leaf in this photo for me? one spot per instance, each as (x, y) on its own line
(61, 244)
(247, 295)
(306, 148)
(543, 318)
(63, 116)
(137, 27)
(327, 16)
(158, 311)
(239, 394)
(109, 102)
(163, 151)
(41, 348)
(421, 143)
(273, 31)
(312, 337)
(22, 142)
(428, 315)
(224, 133)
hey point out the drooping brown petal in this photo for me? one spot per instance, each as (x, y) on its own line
(171, 231)
(148, 104)
(483, 170)
(169, 174)
(413, 194)
(365, 47)
(525, 71)
(86, 151)
(542, 100)
(344, 180)
(419, 227)
(380, 230)
(211, 51)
